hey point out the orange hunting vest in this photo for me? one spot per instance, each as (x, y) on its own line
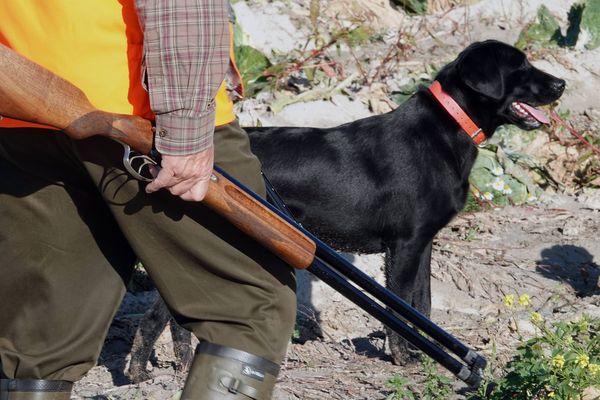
(94, 44)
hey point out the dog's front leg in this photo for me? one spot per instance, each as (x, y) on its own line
(407, 266)
(421, 299)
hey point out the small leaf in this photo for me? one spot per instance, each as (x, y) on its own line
(252, 64)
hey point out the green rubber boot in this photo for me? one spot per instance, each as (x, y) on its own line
(34, 389)
(223, 373)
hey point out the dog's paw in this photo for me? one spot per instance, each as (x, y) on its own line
(137, 374)
(405, 357)
(403, 353)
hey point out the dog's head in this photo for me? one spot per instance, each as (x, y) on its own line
(497, 85)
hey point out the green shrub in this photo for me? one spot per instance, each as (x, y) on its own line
(584, 25)
(399, 384)
(590, 22)
(560, 363)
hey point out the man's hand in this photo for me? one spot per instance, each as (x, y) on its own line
(184, 176)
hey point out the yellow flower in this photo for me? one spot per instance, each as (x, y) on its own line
(582, 360)
(551, 395)
(536, 318)
(524, 300)
(594, 368)
(509, 300)
(569, 340)
(558, 361)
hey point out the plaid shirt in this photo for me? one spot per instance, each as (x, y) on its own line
(186, 56)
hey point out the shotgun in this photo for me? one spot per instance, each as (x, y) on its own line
(29, 92)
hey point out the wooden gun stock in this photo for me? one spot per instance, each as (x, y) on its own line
(29, 92)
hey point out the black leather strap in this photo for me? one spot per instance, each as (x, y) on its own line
(239, 355)
(34, 385)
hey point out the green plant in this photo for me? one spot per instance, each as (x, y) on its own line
(252, 65)
(560, 363)
(435, 386)
(492, 183)
(545, 30)
(584, 25)
(296, 334)
(405, 92)
(400, 390)
(471, 234)
(473, 203)
(412, 6)
(590, 22)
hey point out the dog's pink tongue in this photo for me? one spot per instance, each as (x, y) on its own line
(535, 113)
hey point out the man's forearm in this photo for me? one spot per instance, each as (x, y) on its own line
(186, 46)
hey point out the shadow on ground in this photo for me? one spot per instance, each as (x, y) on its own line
(572, 265)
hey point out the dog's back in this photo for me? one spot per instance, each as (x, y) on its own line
(360, 183)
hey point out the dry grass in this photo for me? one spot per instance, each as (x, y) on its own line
(444, 5)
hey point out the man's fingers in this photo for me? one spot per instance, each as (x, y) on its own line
(180, 188)
(184, 176)
(189, 190)
(154, 170)
(197, 192)
(185, 186)
(163, 179)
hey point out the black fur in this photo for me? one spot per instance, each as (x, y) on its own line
(389, 183)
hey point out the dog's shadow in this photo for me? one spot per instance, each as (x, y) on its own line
(572, 265)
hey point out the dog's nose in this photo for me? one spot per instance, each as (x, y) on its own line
(559, 85)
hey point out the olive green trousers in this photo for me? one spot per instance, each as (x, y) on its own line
(73, 222)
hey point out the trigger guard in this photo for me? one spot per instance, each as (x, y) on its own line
(129, 156)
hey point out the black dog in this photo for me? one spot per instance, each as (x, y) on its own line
(389, 183)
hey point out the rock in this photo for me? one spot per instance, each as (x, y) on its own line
(591, 393)
(590, 198)
(378, 99)
(259, 26)
(571, 228)
(378, 14)
(319, 113)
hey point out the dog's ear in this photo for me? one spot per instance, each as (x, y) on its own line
(480, 69)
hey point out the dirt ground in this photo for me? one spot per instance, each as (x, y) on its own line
(543, 251)
(548, 250)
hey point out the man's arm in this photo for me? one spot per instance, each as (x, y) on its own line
(186, 50)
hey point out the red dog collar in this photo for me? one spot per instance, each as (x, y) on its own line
(457, 113)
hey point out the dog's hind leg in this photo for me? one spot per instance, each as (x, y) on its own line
(408, 275)
(151, 326)
(182, 346)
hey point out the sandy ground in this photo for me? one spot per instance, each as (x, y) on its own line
(548, 250)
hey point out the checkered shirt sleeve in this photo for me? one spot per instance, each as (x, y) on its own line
(186, 56)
